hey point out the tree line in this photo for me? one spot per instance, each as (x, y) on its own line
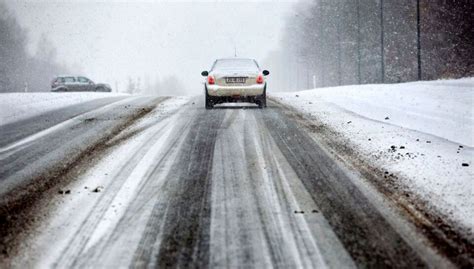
(341, 42)
(19, 70)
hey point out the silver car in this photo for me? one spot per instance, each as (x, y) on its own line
(77, 84)
(235, 80)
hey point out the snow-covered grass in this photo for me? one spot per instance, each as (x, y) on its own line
(421, 131)
(18, 106)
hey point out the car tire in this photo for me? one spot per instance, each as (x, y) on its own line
(209, 102)
(100, 89)
(262, 100)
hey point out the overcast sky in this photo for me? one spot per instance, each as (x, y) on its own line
(113, 40)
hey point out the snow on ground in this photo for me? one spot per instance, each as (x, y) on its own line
(18, 106)
(422, 131)
(111, 174)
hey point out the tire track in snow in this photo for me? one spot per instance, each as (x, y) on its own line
(368, 237)
(76, 254)
(224, 188)
(255, 193)
(185, 236)
(26, 184)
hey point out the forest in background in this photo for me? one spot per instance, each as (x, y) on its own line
(19, 70)
(343, 42)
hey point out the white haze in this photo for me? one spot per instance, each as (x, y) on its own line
(112, 41)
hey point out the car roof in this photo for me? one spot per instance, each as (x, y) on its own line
(75, 76)
(235, 58)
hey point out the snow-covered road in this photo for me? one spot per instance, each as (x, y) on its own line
(168, 183)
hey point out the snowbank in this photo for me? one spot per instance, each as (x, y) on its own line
(18, 106)
(422, 131)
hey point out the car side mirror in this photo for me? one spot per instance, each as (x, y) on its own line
(204, 73)
(266, 72)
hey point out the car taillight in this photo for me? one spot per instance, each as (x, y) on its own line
(211, 80)
(260, 79)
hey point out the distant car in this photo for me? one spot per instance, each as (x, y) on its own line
(77, 84)
(235, 80)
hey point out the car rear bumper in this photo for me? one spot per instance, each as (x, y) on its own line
(252, 90)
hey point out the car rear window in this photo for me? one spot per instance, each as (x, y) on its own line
(236, 64)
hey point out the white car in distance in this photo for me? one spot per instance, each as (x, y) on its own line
(235, 80)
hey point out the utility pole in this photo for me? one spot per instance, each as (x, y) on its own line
(307, 75)
(418, 33)
(339, 71)
(382, 56)
(321, 40)
(358, 43)
(339, 53)
(297, 73)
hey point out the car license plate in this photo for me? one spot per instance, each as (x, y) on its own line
(235, 80)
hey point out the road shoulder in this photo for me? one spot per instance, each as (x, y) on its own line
(450, 238)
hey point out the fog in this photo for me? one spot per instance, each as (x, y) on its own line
(160, 47)
(114, 42)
